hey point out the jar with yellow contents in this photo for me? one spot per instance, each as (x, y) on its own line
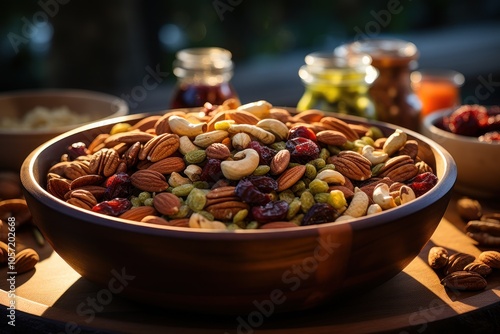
(337, 84)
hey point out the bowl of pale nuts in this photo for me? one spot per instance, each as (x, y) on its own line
(31, 117)
(471, 134)
(223, 209)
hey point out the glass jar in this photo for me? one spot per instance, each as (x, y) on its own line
(395, 101)
(203, 75)
(337, 84)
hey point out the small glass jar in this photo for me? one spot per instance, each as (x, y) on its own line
(337, 84)
(203, 75)
(395, 101)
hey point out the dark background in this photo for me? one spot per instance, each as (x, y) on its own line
(109, 46)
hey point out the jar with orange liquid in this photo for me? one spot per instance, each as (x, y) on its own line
(437, 89)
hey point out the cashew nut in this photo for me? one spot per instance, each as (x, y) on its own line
(394, 142)
(331, 176)
(359, 204)
(238, 169)
(207, 138)
(259, 108)
(372, 209)
(278, 128)
(186, 145)
(406, 194)
(382, 196)
(177, 179)
(343, 218)
(199, 221)
(183, 127)
(375, 156)
(262, 135)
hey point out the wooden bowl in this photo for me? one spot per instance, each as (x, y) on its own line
(262, 271)
(18, 143)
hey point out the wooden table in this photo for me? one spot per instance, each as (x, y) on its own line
(55, 299)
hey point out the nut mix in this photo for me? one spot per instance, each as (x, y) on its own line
(241, 167)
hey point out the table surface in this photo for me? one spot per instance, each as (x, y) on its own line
(54, 298)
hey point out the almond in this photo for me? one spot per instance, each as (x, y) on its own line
(26, 260)
(334, 123)
(168, 165)
(138, 213)
(331, 137)
(226, 210)
(166, 203)
(149, 180)
(128, 137)
(242, 117)
(309, 116)
(154, 220)
(290, 177)
(280, 162)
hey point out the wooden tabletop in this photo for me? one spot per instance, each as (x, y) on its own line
(55, 299)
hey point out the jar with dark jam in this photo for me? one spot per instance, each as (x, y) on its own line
(395, 101)
(203, 75)
(337, 84)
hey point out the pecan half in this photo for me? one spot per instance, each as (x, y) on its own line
(352, 165)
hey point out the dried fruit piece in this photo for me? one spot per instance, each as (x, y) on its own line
(302, 150)
(272, 211)
(422, 183)
(114, 207)
(319, 213)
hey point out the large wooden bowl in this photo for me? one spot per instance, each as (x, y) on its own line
(237, 272)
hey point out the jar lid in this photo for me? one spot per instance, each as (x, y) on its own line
(384, 52)
(327, 66)
(211, 59)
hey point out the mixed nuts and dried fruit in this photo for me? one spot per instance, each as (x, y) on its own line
(474, 121)
(462, 271)
(238, 166)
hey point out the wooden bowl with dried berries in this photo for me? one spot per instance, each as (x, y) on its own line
(471, 134)
(227, 209)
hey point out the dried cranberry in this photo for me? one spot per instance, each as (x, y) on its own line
(467, 120)
(302, 150)
(76, 150)
(492, 125)
(114, 207)
(118, 185)
(250, 193)
(266, 154)
(264, 183)
(301, 131)
(272, 211)
(490, 137)
(319, 213)
(211, 172)
(422, 183)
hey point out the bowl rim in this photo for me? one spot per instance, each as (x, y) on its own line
(119, 107)
(443, 186)
(429, 123)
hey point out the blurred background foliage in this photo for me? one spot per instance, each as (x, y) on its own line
(106, 45)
